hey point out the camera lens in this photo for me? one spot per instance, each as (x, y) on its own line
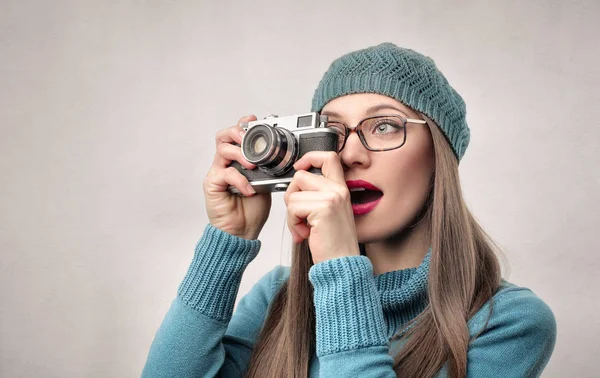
(272, 149)
(258, 144)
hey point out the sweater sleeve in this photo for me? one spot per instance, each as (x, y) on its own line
(351, 339)
(351, 330)
(199, 336)
(518, 340)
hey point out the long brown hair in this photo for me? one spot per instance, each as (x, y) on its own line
(464, 273)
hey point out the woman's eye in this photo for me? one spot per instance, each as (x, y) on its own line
(340, 129)
(384, 128)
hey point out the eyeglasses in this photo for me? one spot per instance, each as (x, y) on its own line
(376, 133)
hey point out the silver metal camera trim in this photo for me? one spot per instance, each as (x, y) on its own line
(318, 124)
(290, 154)
(321, 122)
(284, 124)
(273, 151)
(266, 186)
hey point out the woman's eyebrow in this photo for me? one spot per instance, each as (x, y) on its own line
(376, 108)
(372, 109)
(331, 114)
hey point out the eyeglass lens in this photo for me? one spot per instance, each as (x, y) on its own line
(384, 132)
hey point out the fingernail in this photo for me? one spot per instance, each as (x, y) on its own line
(250, 189)
(242, 133)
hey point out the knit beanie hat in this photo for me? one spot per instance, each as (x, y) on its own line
(405, 75)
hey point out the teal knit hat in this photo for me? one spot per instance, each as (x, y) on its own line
(405, 75)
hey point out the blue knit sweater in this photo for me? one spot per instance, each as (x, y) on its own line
(356, 315)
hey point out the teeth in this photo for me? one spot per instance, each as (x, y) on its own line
(357, 189)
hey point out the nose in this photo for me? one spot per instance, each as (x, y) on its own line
(354, 153)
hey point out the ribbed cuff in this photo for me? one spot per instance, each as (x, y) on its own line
(213, 278)
(347, 305)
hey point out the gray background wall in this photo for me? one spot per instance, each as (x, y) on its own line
(108, 111)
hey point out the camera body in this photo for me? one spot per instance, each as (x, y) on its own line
(275, 143)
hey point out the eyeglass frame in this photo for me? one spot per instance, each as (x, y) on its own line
(361, 137)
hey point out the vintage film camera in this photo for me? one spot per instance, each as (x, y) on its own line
(275, 143)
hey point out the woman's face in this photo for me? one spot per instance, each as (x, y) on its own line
(403, 174)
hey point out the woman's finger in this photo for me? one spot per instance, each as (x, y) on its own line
(298, 209)
(229, 135)
(328, 161)
(302, 205)
(300, 231)
(218, 180)
(232, 134)
(298, 227)
(227, 152)
(313, 197)
(306, 181)
(297, 236)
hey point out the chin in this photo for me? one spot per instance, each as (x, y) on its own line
(369, 227)
(369, 232)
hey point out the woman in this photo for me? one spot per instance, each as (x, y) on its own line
(391, 274)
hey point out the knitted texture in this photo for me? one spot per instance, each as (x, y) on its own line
(197, 337)
(213, 278)
(403, 295)
(405, 75)
(359, 310)
(345, 289)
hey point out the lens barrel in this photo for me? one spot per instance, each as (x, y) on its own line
(272, 149)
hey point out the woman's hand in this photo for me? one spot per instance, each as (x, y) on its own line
(319, 208)
(242, 216)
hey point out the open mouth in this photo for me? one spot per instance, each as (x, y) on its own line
(362, 195)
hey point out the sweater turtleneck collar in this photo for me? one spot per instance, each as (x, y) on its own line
(403, 294)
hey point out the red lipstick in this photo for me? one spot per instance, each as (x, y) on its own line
(358, 185)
